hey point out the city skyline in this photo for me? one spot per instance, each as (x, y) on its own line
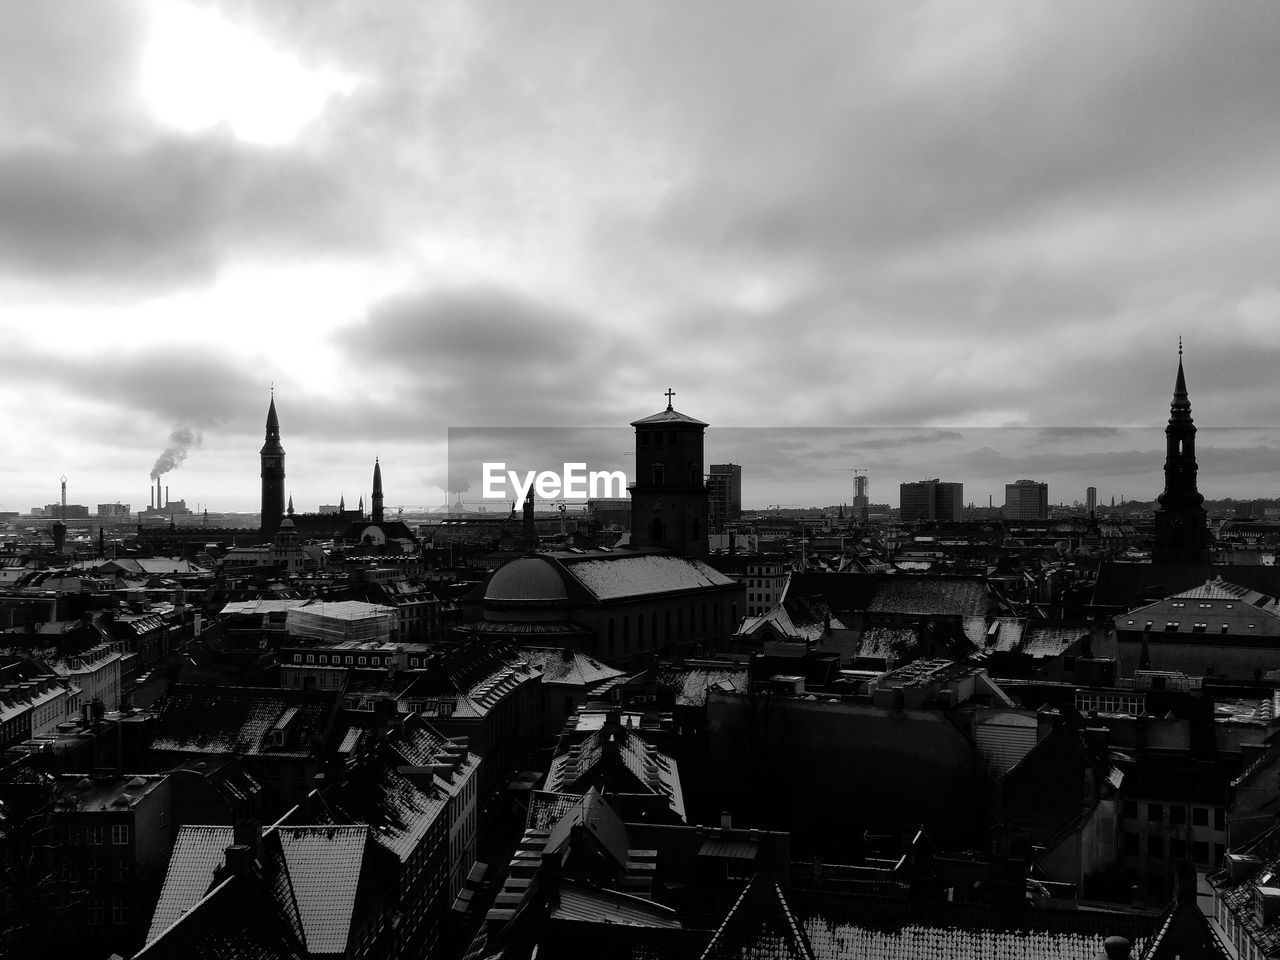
(937, 219)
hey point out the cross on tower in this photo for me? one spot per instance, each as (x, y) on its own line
(669, 394)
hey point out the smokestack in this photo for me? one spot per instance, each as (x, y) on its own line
(64, 498)
(159, 502)
(166, 495)
(151, 495)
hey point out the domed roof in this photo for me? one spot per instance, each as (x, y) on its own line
(527, 579)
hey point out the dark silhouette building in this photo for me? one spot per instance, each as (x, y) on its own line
(377, 491)
(669, 504)
(272, 455)
(1182, 532)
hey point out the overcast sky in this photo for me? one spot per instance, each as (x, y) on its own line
(412, 216)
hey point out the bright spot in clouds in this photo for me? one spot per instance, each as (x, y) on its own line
(200, 70)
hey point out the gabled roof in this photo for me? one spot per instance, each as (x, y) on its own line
(621, 759)
(760, 926)
(326, 865)
(197, 852)
(232, 922)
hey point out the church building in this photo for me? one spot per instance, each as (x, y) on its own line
(625, 605)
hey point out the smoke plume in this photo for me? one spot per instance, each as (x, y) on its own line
(182, 440)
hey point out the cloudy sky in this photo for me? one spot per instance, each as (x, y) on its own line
(411, 216)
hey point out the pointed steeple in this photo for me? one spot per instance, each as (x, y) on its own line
(289, 510)
(377, 491)
(342, 503)
(272, 460)
(1182, 534)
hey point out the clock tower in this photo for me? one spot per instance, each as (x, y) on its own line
(1182, 531)
(272, 456)
(669, 496)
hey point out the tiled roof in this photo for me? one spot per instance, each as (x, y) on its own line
(605, 753)
(546, 808)
(197, 852)
(635, 575)
(399, 812)
(691, 682)
(240, 720)
(931, 596)
(873, 928)
(760, 926)
(325, 867)
(1048, 640)
(233, 922)
(568, 667)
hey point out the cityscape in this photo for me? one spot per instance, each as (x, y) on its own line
(578, 481)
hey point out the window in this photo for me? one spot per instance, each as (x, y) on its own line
(119, 870)
(1131, 843)
(1155, 812)
(1219, 818)
(1178, 814)
(119, 910)
(1155, 847)
(297, 658)
(1177, 849)
(94, 911)
(93, 834)
(361, 661)
(1200, 816)
(311, 658)
(1200, 851)
(119, 833)
(1129, 808)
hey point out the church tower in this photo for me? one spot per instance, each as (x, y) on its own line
(669, 505)
(377, 491)
(1182, 532)
(272, 456)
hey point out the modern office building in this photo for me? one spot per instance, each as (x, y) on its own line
(1026, 500)
(931, 500)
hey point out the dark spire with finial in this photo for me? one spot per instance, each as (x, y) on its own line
(289, 510)
(272, 459)
(1182, 534)
(377, 491)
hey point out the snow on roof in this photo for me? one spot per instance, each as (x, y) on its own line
(631, 576)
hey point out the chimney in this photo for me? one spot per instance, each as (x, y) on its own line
(166, 494)
(151, 496)
(726, 820)
(248, 833)
(240, 860)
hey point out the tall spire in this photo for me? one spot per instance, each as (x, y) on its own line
(1182, 534)
(377, 491)
(272, 460)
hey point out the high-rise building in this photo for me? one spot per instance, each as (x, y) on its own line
(930, 500)
(1182, 531)
(1026, 500)
(1091, 499)
(861, 497)
(724, 494)
(669, 496)
(272, 458)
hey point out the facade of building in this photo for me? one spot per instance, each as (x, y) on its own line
(724, 492)
(931, 500)
(1026, 500)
